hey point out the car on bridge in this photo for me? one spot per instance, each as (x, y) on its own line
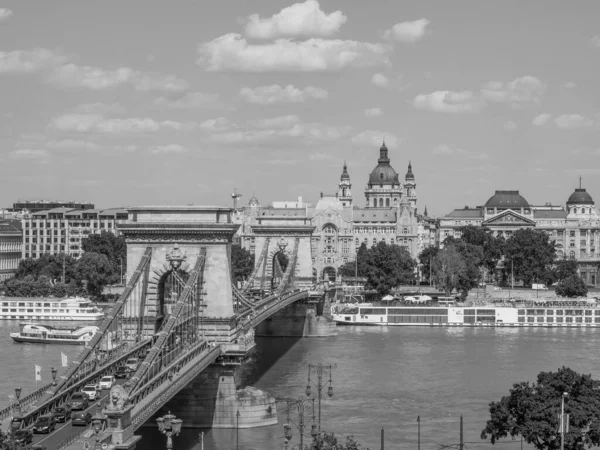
(107, 382)
(62, 413)
(44, 424)
(16, 423)
(90, 390)
(79, 401)
(81, 418)
(132, 364)
(122, 372)
(23, 436)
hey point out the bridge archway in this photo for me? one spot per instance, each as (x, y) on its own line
(279, 262)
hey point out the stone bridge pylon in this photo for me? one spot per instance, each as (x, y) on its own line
(176, 235)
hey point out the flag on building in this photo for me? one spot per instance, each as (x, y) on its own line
(38, 373)
(63, 358)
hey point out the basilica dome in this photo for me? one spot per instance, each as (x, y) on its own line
(383, 173)
(580, 197)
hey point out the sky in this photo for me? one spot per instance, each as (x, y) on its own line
(147, 102)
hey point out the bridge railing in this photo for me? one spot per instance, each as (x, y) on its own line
(155, 399)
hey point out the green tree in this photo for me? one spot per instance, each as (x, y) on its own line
(111, 246)
(491, 246)
(389, 266)
(328, 441)
(531, 410)
(467, 274)
(565, 268)
(531, 254)
(97, 271)
(572, 286)
(358, 266)
(426, 258)
(448, 268)
(50, 266)
(242, 263)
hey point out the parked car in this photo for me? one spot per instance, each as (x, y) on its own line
(16, 423)
(122, 372)
(62, 413)
(23, 436)
(82, 418)
(90, 390)
(44, 424)
(79, 401)
(132, 364)
(107, 382)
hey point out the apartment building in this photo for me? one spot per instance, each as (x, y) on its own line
(10, 247)
(61, 230)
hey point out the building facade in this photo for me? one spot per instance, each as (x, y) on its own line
(574, 228)
(390, 215)
(34, 206)
(10, 247)
(61, 230)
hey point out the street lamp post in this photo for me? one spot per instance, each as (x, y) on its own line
(18, 395)
(563, 423)
(98, 425)
(237, 429)
(287, 427)
(170, 426)
(320, 369)
(53, 370)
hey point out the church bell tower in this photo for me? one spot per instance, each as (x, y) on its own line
(345, 188)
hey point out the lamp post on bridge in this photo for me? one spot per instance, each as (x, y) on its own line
(18, 396)
(320, 369)
(98, 425)
(53, 371)
(170, 426)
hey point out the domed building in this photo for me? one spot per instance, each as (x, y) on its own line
(383, 189)
(574, 228)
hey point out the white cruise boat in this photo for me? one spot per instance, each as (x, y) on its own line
(34, 333)
(532, 314)
(49, 309)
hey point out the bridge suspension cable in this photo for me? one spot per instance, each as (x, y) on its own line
(261, 258)
(185, 299)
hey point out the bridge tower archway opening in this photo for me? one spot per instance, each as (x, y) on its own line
(279, 263)
(170, 287)
(329, 274)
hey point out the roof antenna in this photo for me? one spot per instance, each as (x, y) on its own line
(579, 181)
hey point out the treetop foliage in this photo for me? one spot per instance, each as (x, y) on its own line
(531, 410)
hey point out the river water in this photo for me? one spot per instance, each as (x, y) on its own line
(385, 377)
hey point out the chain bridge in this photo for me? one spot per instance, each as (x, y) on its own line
(185, 321)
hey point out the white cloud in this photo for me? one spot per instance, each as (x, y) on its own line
(448, 101)
(83, 123)
(510, 126)
(99, 108)
(73, 75)
(527, 89)
(275, 122)
(298, 20)
(267, 95)
(190, 100)
(446, 150)
(218, 124)
(232, 52)
(5, 14)
(570, 85)
(277, 129)
(541, 119)
(380, 80)
(170, 148)
(407, 31)
(443, 149)
(374, 138)
(572, 121)
(319, 156)
(373, 112)
(126, 148)
(28, 61)
(73, 144)
(595, 41)
(26, 153)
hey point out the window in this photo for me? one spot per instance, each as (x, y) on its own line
(381, 176)
(381, 202)
(387, 202)
(572, 233)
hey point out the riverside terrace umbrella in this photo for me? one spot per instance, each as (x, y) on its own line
(388, 298)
